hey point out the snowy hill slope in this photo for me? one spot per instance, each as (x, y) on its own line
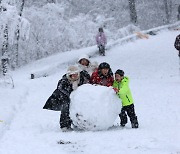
(48, 66)
(152, 66)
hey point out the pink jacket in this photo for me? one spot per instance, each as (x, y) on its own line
(101, 39)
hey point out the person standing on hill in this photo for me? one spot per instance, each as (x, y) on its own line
(101, 41)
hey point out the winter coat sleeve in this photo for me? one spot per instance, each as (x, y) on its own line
(93, 78)
(85, 76)
(64, 87)
(60, 96)
(115, 84)
(54, 101)
(123, 88)
(110, 78)
(97, 39)
(177, 43)
(105, 39)
(110, 81)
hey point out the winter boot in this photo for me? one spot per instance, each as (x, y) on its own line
(66, 129)
(134, 122)
(123, 119)
(102, 50)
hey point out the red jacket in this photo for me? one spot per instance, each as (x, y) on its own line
(98, 78)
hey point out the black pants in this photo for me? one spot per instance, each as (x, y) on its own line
(65, 120)
(101, 50)
(131, 114)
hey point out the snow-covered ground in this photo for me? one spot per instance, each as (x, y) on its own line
(153, 68)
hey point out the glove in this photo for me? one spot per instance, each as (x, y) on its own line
(116, 90)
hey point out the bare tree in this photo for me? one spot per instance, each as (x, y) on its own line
(178, 16)
(168, 10)
(5, 56)
(133, 14)
(17, 34)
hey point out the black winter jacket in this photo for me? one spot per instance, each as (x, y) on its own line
(177, 43)
(61, 95)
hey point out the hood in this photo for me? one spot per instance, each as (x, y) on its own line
(84, 57)
(72, 70)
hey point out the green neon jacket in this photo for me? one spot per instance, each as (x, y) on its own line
(124, 91)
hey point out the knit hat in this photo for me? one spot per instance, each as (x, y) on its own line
(120, 72)
(72, 70)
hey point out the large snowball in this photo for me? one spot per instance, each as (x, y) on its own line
(94, 107)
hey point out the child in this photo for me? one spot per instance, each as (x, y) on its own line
(101, 41)
(103, 75)
(121, 87)
(84, 63)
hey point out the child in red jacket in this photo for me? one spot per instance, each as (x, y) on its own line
(103, 75)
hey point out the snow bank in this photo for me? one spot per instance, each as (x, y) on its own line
(94, 107)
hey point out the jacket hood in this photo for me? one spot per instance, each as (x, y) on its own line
(72, 70)
(84, 57)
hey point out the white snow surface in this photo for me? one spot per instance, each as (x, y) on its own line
(94, 107)
(153, 68)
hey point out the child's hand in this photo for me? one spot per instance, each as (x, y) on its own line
(116, 90)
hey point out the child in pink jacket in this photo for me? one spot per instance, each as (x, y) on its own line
(101, 41)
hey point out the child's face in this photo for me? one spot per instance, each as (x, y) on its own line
(118, 78)
(84, 62)
(74, 77)
(105, 71)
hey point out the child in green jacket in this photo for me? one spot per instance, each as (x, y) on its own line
(121, 87)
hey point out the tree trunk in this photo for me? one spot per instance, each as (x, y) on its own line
(178, 16)
(5, 56)
(17, 35)
(133, 14)
(21, 7)
(168, 10)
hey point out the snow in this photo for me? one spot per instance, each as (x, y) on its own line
(94, 107)
(153, 68)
